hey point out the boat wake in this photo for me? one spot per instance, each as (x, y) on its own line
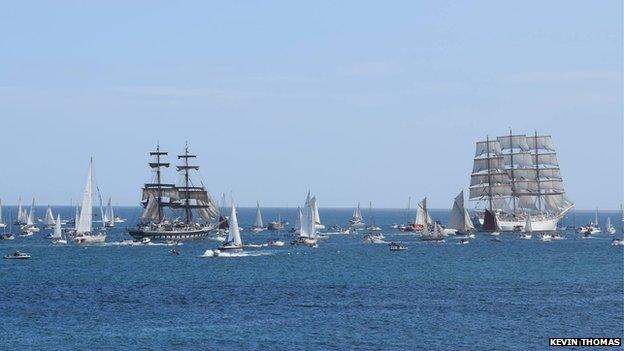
(217, 253)
(136, 243)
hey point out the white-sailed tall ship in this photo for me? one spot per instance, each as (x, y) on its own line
(516, 176)
(84, 230)
(189, 198)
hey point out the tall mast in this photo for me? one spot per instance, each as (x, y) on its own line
(537, 175)
(187, 185)
(513, 183)
(157, 166)
(489, 176)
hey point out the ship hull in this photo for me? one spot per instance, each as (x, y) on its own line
(176, 235)
(537, 225)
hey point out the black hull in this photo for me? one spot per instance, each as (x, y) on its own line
(175, 235)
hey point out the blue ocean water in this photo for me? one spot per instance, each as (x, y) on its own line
(345, 294)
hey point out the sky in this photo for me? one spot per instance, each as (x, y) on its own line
(353, 100)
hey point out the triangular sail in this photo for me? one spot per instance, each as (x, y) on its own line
(57, 228)
(315, 211)
(109, 216)
(76, 218)
(86, 211)
(31, 214)
(457, 213)
(20, 211)
(234, 233)
(308, 227)
(258, 221)
(49, 217)
(490, 223)
(422, 215)
(151, 209)
(608, 222)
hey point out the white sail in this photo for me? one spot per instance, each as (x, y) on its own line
(298, 219)
(76, 218)
(234, 236)
(422, 215)
(308, 227)
(608, 222)
(258, 221)
(20, 211)
(315, 211)
(86, 211)
(49, 217)
(57, 228)
(357, 213)
(527, 225)
(460, 220)
(109, 216)
(31, 214)
(596, 219)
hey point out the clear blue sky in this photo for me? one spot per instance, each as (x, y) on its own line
(354, 100)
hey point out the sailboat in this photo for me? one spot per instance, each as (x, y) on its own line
(356, 219)
(296, 228)
(423, 219)
(610, 228)
(315, 212)
(2, 223)
(233, 241)
(526, 235)
(516, 176)
(276, 225)
(193, 199)
(426, 234)
(307, 229)
(592, 227)
(20, 219)
(460, 221)
(490, 223)
(258, 226)
(48, 221)
(84, 231)
(30, 227)
(374, 234)
(9, 235)
(57, 236)
(109, 215)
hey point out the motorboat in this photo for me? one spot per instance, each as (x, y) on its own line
(275, 242)
(396, 247)
(7, 236)
(617, 242)
(464, 241)
(545, 237)
(17, 255)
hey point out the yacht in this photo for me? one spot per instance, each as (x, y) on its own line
(84, 232)
(17, 255)
(233, 241)
(396, 247)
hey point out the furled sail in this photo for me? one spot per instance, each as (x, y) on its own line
(234, 236)
(86, 211)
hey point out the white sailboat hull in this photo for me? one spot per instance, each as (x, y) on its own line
(90, 239)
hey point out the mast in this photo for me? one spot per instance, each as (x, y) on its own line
(187, 196)
(489, 174)
(537, 175)
(513, 182)
(156, 165)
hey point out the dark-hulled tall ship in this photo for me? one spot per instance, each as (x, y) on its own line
(175, 212)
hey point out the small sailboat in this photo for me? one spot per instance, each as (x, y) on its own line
(373, 234)
(526, 235)
(371, 220)
(57, 236)
(356, 219)
(490, 223)
(20, 218)
(48, 221)
(592, 227)
(426, 233)
(307, 229)
(109, 215)
(2, 223)
(84, 230)
(9, 235)
(233, 241)
(30, 227)
(460, 222)
(610, 228)
(258, 226)
(423, 219)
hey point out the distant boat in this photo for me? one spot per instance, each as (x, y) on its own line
(48, 221)
(460, 220)
(356, 219)
(617, 242)
(490, 223)
(2, 223)
(423, 219)
(17, 255)
(233, 241)
(30, 227)
(526, 235)
(372, 227)
(276, 225)
(109, 215)
(396, 247)
(57, 236)
(258, 225)
(22, 217)
(315, 211)
(426, 233)
(592, 227)
(84, 231)
(610, 228)
(307, 228)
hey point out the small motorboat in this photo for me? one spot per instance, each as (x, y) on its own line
(174, 252)
(396, 247)
(7, 236)
(464, 241)
(526, 236)
(275, 242)
(17, 255)
(617, 242)
(557, 236)
(375, 238)
(146, 240)
(545, 237)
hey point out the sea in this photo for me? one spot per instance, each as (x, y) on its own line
(344, 295)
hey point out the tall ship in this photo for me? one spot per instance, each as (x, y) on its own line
(175, 212)
(517, 177)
